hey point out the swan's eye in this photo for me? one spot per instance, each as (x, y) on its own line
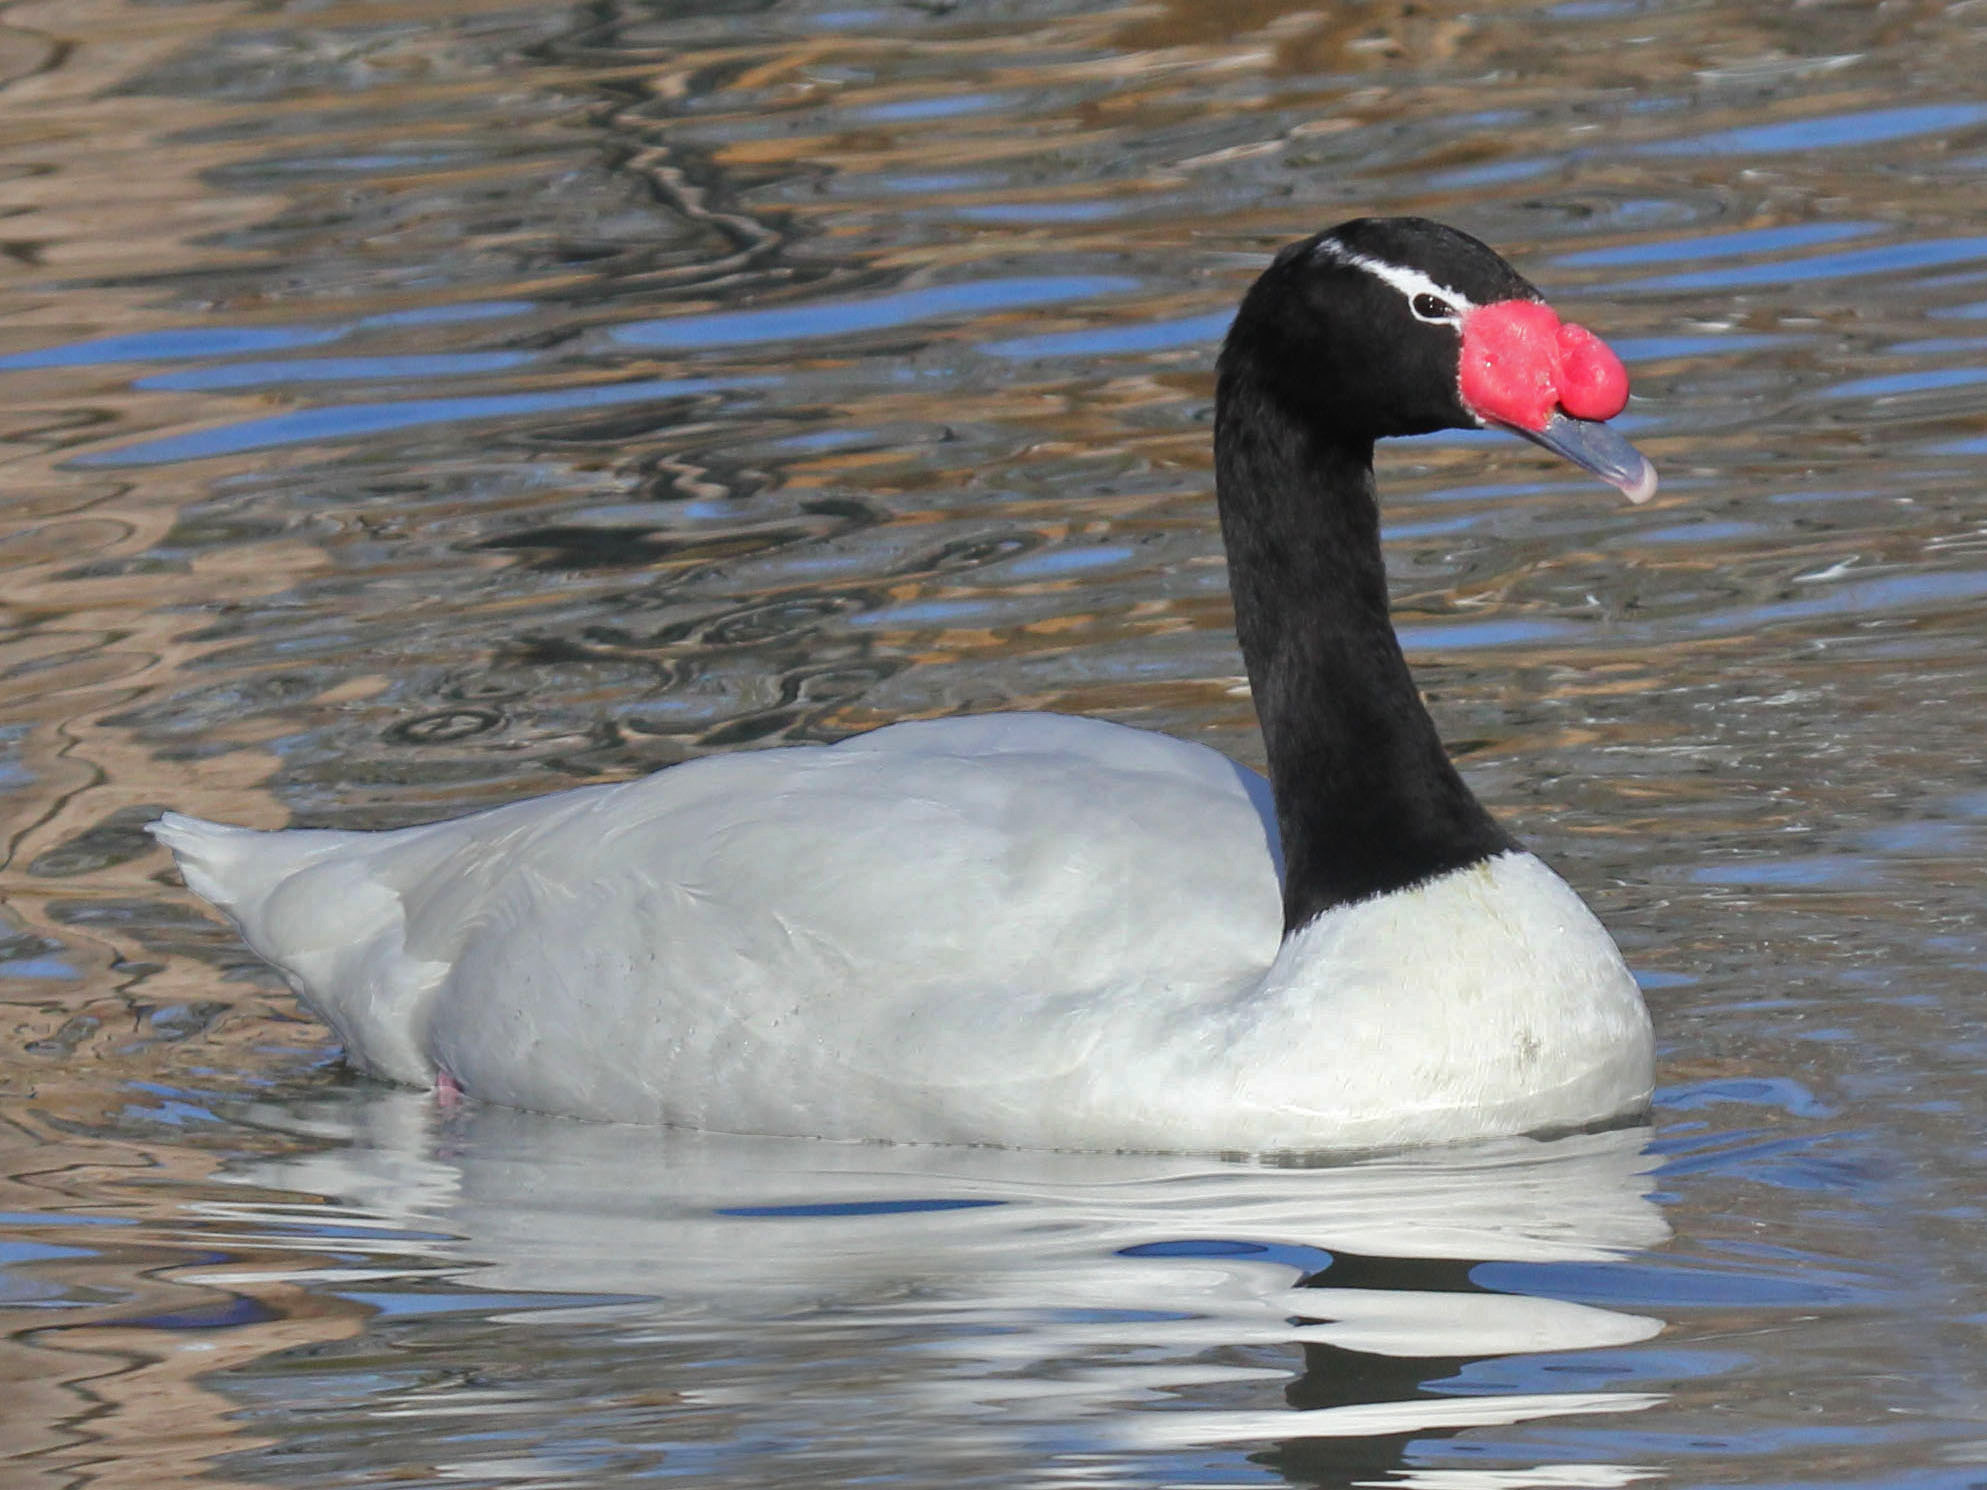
(1432, 308)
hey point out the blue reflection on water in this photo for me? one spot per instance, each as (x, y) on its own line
(1719, 245)
(1825, 132)
(1649, 348)
(1549, 1371)
(1043, 211)
(40, 968)
(1779, 1092)
(1656, 1283)
(1925, 253)
(1061, 561)
(342, 421)
(1912, 382)
(1492, 633)
(182, 341)
(36, 1251)
(1501, 173)
(1893, 592)
(179, 342)
(1101, 341)
(1812, 872)
(939, 106)
(1302, 1259)
(841, 317)
(332, 370)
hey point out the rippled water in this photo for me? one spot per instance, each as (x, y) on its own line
(410, 406)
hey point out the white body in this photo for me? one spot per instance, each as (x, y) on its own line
(1017, 929)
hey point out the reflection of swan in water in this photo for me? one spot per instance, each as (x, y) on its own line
(1138, 1304)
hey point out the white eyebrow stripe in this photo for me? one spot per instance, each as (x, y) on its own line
(1410, 282)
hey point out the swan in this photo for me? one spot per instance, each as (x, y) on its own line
(1034, 930)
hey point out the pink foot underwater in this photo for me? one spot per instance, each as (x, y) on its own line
(448, 1091)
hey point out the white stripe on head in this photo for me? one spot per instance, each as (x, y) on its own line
(1409, 282)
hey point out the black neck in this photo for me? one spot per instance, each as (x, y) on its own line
(1366, 799)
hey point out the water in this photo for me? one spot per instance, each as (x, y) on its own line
(411, 407)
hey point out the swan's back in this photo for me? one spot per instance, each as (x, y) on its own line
(832, 940)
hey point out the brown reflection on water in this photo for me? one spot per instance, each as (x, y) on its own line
(118, 1397)
(103, 209)
(108, 1389)
(82, 633)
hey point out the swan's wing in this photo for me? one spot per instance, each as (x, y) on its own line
(969, 902)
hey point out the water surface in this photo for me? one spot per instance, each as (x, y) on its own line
(412, 407)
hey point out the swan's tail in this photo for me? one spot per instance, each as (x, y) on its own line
(236, 868)
(325, 907)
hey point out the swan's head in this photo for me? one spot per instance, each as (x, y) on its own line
(1401, 326)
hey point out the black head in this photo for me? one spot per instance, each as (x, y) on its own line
(1361, 325)
(1384, 326)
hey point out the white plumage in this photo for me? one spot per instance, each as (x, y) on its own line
(1016, 928)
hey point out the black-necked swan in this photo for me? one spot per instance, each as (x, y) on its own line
(1037, 930)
